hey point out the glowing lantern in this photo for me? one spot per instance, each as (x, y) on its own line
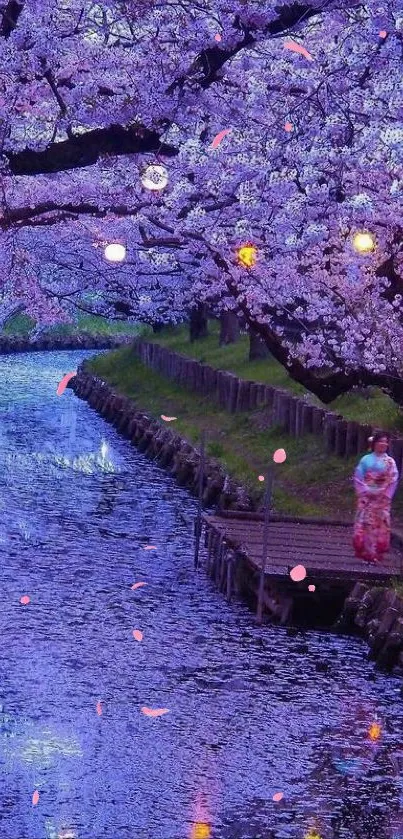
(374, 732)
(201, 830)
(364, 242)
(115, 253)
(155, 177)
(247, 255)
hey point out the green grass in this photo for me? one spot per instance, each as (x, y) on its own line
(22, 325)
(378, 409)
(309, 483)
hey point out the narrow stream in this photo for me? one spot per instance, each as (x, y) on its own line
(251, 711)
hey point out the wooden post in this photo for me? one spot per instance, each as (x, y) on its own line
(268, 496)
(198, 520)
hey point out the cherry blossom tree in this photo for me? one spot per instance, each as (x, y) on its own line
(311, 96)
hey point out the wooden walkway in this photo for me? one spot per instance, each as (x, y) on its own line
(234, 543)
(324, 549)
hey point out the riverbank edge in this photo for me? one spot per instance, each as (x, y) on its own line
(13, 344)
(375, 614)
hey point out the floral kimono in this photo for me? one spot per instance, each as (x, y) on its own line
(375, 481)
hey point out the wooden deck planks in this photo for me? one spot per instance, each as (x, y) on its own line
(326, 550)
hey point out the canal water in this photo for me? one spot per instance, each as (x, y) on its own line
(251, 711)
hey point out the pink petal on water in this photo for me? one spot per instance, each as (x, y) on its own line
(278, 796)
(154, 712)
(64, 382)
(25, 600)
(138, 585)
(217, 139)
(383, 33)
(217, 37)
(35, 797)
(99, 708)
(292, 45)
(288, 126)
(279, 456)
(149, 547)
(298, 573)
(137, 635)
(311, 588)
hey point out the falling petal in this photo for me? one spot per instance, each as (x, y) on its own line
(261, 477)
(35, 798)
(292, 45)
(279, 456)
(154, 712)
(137, 635)
(288, 126)
(138, 585)
(278, 796)
(99, 708)
(298, 573)
(168, 419)
(217, 139)
(64, 382)
(217, 37)
(383, 33)
(25, 600)
(149, 547)
(311, 588)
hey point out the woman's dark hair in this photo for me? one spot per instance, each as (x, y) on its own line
(379, 435)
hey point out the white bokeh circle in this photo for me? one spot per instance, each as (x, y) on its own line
(155, 177)
(115, 252)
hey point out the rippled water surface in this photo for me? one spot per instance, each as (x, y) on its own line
(252, 711)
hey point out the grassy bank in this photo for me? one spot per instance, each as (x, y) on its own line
(22, 325)
(376, 408)
(309, 483)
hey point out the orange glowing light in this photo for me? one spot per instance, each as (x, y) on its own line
(375, 731)
(201, 830)
(247, 255)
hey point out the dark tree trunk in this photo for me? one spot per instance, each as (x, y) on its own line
(157, 327)
(229, 328)
(257, 346)
(198, 324)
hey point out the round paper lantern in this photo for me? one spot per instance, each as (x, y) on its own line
(155, 177)
(364, 242)
(115, 253)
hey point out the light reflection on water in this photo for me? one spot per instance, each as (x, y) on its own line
(252, 711)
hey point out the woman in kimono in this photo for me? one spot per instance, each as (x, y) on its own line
(375, 481)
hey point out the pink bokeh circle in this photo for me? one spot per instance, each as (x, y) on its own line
(298, 573)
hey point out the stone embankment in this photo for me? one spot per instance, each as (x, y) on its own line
(84, 341)
(376, 614)
(161, 444)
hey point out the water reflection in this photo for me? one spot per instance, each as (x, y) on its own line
(252, 710)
